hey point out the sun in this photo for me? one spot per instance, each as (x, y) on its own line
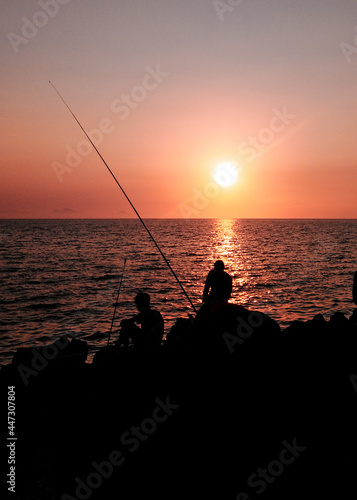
(226, 174)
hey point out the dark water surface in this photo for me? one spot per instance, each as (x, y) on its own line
(61, 276)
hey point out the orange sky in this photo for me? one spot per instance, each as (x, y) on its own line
(173, 89)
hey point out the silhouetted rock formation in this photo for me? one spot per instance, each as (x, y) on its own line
(226, 398)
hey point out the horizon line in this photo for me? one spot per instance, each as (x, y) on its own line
(177, 218)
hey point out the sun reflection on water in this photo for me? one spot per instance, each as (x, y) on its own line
(229, 246)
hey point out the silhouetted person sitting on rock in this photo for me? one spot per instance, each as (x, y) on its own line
(150, 335)
(218, 286)
(216, 293)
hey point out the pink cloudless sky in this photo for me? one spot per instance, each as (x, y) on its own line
(169, 90)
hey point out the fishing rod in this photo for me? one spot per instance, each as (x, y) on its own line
(116, 302)
(126, 196)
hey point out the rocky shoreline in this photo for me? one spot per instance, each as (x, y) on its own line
(236, 409)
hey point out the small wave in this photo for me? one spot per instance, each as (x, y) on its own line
(96, 336)
(35, 307)
(44, 338)
(264, 285)
(105, 277)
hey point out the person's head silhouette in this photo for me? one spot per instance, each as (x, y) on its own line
(142, 301)
(219, 265)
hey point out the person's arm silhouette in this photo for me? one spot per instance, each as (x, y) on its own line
(207, 287)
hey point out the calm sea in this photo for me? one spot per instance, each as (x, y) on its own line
(62, 276)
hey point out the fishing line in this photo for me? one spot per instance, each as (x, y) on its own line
(126, 196)
(116, 302)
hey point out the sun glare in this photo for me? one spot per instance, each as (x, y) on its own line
(226, 174)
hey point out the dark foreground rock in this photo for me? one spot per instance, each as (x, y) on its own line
(237, 409)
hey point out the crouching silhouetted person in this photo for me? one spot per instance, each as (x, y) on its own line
(151, 331)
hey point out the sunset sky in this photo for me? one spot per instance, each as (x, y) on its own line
(169, 90)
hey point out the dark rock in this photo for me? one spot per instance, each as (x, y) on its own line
(178, 331)
(353, 317)
(97, 336)
(105, 356)
(318, 321)
(338, 319)
(296, 327)
(75, 353)
(62, 352)
(23, 356)
(235, 403)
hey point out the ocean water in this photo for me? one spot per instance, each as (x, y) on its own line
(62, 276)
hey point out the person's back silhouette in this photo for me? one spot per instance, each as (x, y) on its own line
(218, 286)
(354, 289)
